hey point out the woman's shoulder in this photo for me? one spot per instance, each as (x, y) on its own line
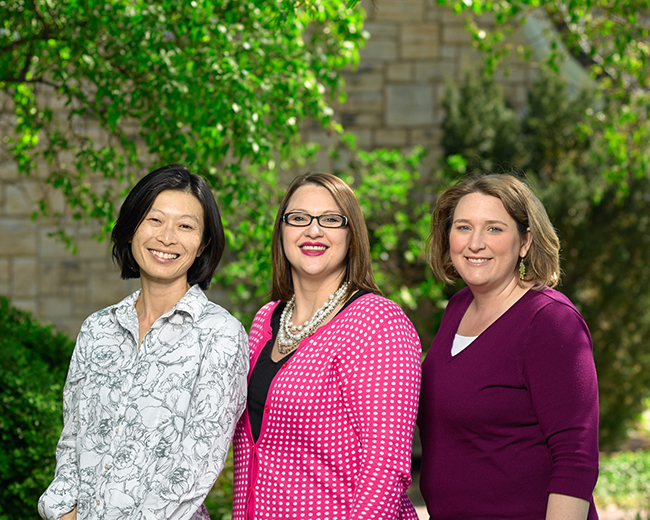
(373, 311)
(375, 304)
(551, 301)
(550, 311)
(265, 312)
(104, 316)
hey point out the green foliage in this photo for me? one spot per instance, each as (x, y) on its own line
(33, 364)
(219, 500)
(610, 39)
(484, 131)
(396, 205)
(212, 84)
(624, 481)
(606, 247)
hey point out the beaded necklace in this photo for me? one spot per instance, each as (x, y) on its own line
(290, 335)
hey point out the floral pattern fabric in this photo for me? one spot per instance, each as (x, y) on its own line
(147, 430)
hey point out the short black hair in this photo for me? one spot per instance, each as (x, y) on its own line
(138, 203)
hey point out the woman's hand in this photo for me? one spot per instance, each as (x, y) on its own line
(564, 507)
(72, 515)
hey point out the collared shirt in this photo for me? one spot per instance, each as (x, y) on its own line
(147, 430)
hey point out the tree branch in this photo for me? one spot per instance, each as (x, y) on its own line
(38, 81)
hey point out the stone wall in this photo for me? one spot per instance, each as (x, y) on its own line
(394, 100)
(416, 48)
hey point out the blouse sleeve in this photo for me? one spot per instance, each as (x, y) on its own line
(61, 495)
(559, 367)
(381, 394)
(184, 478)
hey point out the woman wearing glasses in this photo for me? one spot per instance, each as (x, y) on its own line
(335, 374)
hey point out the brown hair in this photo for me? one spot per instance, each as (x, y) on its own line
(359, 268)
(543, 259)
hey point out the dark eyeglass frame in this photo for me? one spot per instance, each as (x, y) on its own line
(285, 219)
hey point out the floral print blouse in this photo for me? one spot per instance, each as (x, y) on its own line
(147, 430)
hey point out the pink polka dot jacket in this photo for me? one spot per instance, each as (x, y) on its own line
(338, 422)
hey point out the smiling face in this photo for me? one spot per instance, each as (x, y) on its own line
(168, 240)
(315, 252)
(485, 244)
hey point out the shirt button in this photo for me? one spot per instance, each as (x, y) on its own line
(117, 430)
(99, 502)
(107, 466)
(267, 408)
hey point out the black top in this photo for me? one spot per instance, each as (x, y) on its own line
(266, 369)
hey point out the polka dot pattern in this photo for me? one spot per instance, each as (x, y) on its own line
(338, 423)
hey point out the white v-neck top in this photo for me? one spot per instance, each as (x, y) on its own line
(461, 343)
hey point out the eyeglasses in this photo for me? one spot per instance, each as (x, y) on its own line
(331, 220)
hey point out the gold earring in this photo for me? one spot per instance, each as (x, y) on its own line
(522, 269)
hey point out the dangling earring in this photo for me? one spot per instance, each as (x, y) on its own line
(522, 269)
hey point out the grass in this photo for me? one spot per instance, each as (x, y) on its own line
(624, 481)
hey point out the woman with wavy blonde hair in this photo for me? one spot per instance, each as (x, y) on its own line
(509, 406)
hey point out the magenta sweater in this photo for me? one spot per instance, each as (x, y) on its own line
(512, 417)
(336, 436)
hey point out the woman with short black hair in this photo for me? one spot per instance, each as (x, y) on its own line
(156, 382)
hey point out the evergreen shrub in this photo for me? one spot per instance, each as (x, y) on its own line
(33, 363)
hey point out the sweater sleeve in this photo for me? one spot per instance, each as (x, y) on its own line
(61, 495)
(559, 368)
(381, 394)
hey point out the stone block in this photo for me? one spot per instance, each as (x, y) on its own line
(368, 120)
(510, 75)
(21, 197)
(448, 16)
(381, 30)
(69, 326)
(420, 41)
(434, 11)
(5, 270)
(365, 102)
(105, 290)
(409, 105)
(364, 138)
(8, 170)
(18, 237)
(88, 247)
(449, 52)
(368, 6)
(322, 163)
(369, 82)
(399, 72)
(80, 296)
(426, 137)
(342, 161)
(399, 10)
(436, 71)
(469, 62)
(5, 278)
(391, 137)
(24, 278)
(381, 50)
(52, 307)
(51, 247)
(28, 305)
(456, 34)
(325, 139)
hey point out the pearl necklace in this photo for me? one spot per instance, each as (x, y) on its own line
(290, 335)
